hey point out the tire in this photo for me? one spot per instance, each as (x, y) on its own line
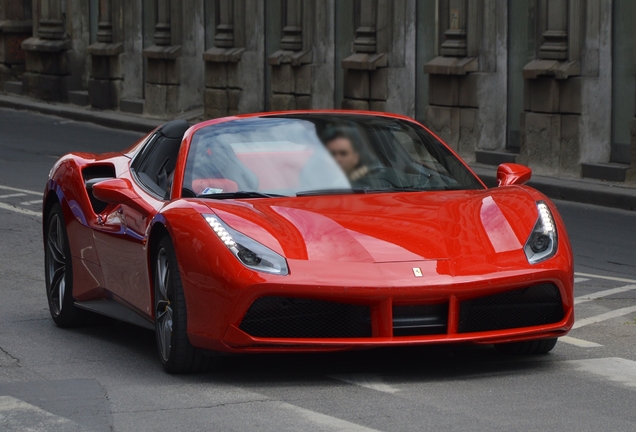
(176, 353)
(533, 347)
(58, 272)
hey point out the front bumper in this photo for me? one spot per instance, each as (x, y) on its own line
(360, 287)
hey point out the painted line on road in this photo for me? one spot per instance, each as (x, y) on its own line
(19, 210)
(604, 317)
(599, 294)
(17, 415)
(370, 381)
(612, 278)
(26, 191)
(615, 369)
(579, 342)
(323, 420)
(580, 279)
(12, 195)
(31, 202)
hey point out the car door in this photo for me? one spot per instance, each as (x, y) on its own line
(120, 240)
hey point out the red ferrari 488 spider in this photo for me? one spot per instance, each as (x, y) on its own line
(304, 231)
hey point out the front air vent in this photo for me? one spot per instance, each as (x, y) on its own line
(94, 174)
(285, 317)
(419, 320)
(526, 307)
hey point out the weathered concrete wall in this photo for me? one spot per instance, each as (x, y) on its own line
(132, 62)
(596, 86)
(252, 66)
(323, 78)
(191, 37)
(402, 58)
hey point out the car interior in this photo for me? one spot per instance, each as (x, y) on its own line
(154, 166)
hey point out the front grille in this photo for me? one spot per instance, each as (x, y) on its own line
(283, 317)
(420, 320)
(532, 306)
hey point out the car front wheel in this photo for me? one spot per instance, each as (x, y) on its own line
(176, 353)
(59, 272)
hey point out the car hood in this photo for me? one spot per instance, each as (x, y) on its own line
(388, 227)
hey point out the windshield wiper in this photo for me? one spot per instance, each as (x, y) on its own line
(331, 192)
(239, 195)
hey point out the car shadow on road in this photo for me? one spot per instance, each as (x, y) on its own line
(420, 363)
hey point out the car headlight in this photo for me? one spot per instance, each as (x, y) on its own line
(542, 243)
(248, 251)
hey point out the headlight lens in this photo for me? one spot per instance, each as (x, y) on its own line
(542, 243)
(248, 251)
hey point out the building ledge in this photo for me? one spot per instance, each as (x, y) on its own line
(489, 157)
(451, 65)
(223, 55)
(12, 26)
(361, 61)
(170, 52)
(613, 172)
(295, 58)
(46, 45)
(104, 49)
(553, 68)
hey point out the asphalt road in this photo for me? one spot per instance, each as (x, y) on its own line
(108, 377)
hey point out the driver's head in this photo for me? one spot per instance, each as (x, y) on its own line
(342, 150)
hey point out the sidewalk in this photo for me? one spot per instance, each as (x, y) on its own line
(586, 191)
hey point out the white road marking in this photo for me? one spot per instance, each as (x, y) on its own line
(325, 421)
(615, 369)
(612, 278)
(12, 195)
(580, 279)
(603, 317)
(19, 210)
(599, 294)
(17, 415)
(31, 202)
(370, 381)
(26, 191)
(579, 342)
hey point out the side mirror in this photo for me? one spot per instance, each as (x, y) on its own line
(513, 174)
(120, 191)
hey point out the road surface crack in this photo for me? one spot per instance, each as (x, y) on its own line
(196, 407)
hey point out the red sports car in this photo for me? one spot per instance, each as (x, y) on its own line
(304, 231)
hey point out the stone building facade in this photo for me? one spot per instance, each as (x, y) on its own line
(548, 83)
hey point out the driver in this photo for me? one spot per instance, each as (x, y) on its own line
(341, 147)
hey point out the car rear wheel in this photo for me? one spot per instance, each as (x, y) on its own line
(540, 346)
(176, 353)
(59, 272)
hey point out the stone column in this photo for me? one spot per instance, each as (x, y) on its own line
(15, 27)
(291, 79)
(467, 81)
(104, 85)
(223, 90)
(162, 69)
(550, 124)
(47, 60)
(365, 85)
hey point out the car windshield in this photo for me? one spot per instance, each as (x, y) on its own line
(319, 154)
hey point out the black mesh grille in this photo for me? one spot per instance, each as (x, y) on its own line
(282, 317)
(420, 320)
(535, 305)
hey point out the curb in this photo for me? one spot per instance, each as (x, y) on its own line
(110, 119)
(584, 191)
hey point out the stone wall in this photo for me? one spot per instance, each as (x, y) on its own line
(446, 62)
